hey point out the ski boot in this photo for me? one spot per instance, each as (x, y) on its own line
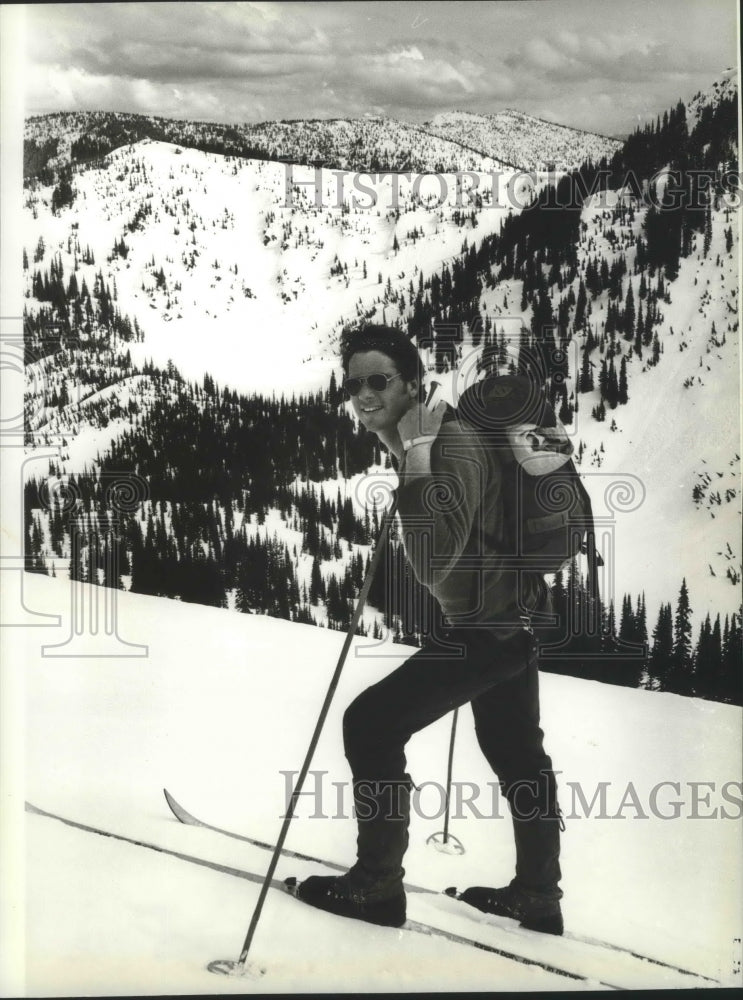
(354, 895)
(534, 911)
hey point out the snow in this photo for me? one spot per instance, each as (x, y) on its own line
(256, 305)
(283, 339)
(224, 703)
(518, 138)
(668, 435)
(669, 438)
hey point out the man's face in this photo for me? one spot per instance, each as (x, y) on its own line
(380, 410)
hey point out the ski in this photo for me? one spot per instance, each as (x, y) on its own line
(415, 926)
(215, 865)
(291, 886)
(495, 921)
(189, 819)
(183, 816)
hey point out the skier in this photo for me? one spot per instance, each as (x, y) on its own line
(450, 504)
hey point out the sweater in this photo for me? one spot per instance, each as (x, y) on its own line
(453, 534)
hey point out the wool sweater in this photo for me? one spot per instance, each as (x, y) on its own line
(453, 533)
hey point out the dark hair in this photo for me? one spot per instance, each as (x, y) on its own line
(388, 340)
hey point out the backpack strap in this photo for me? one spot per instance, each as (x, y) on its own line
(588, 548)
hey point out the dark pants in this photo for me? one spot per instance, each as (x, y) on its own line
(500, 678)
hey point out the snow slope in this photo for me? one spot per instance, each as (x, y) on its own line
(514, 137)
(252, 299)
(681, 427)
(347, 143)
(249, 251)
(256, 292)
(224, 705)
(723, 88)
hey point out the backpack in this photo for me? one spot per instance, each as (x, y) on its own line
(548, 517)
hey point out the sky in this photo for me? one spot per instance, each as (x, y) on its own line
(600, 65)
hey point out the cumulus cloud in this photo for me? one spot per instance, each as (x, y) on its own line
(586, 64)
(409, 77)
(176, 41)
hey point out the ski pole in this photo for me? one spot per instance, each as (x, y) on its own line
(449, 773)
(456, 846)
(379, 549)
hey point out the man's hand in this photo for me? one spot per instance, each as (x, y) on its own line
(419, 421)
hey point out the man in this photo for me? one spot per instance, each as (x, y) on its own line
(451, 499)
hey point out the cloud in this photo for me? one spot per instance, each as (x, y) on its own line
(164, 41)
(407, 72)
(629, 57)
(247, 61)
(413, 53)
(541, 55)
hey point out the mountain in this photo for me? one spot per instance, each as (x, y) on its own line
(517, 138)
(103, 734)
(452, 142)
(725, 88)
(186, 302)
(368, 144)
(245, 247)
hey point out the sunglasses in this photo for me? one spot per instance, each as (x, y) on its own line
(378, 382)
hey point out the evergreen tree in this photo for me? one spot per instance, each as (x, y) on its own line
(580, 307)
(656, 349)
(731, 682)
(661, 657)
(629, 313)
(63, 194)
(609, 629)
(585, 381)
(566, 410)
(622, 396)
(708, 660)
(612, 386)
(627, 621)
(682, 653)
(317, 584)
(641, 629)
(707, 228)
(639, 334)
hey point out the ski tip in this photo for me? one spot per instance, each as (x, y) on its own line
(452, 891)
(181, 814)
(172, 804)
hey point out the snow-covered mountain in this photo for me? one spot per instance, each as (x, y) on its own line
(450, 142)
(724, 87)
(532, 143)
(246, 269)
(370, 144)
(659, 438)
(223, 278)
(653, 864)
(170, 243)
(257, 256)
